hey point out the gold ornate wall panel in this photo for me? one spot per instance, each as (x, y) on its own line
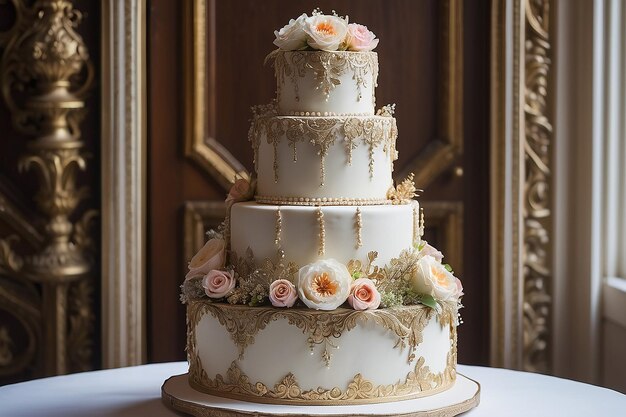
(201, 145)
(46, 262)
(537, 188)
(521, 185)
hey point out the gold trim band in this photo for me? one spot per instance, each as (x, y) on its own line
(298, 401)
(323, 201)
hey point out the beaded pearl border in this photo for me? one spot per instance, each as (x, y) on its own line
(325, 114)
(324, 201)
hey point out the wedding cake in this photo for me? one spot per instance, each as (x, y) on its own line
(317, 289)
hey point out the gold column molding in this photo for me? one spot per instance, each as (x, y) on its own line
(521, 185)
(537, 268)
(45, 72)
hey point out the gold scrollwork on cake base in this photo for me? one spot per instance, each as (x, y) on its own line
(243, 323)
(420, 382)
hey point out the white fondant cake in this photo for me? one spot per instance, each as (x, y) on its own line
(253, 226)
(318, 287)
(341, 157)
(338, 82)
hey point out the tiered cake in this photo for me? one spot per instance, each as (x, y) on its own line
(317, 288)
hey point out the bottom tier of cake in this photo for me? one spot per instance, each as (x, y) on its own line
(310, 357)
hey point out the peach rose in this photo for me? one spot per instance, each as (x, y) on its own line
(430, 250)
(218, 284)
(325, 33)
(324, 285)
(211, 256)
(242, 190)
(364, 295)
(432, 278)
(283, 293)
(360, 39)
(292, 36)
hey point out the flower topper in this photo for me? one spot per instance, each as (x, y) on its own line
(324, 33)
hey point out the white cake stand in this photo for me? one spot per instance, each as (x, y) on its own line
(178, 395)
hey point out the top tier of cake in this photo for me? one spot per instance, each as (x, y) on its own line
(321, 83)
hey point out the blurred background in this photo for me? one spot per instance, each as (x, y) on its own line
(124, 122)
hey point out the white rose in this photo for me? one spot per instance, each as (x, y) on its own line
(434, 279)
(292, 36)
(430, 250)
(324, 285)
(325, 33)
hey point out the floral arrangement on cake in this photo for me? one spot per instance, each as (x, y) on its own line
(324, 33)
(417, 276)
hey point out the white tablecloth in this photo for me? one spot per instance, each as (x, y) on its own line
(136, 391)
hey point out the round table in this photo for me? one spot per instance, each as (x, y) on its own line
(136, 391)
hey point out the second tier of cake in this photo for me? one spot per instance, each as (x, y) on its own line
(306, 234)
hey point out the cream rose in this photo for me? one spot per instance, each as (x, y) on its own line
(324, 285)
(360, 38)
(282, 293)
(430, 250)
(325, 33)
(218, 284)
(432, 278)
(242, 190)
(211, 256)
(364, 295)
(292, 36)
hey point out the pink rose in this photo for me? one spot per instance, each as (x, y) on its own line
(242, 190)
(283, 293)
(459, 289)
(218, 284)
(360, 39)
(211, 256)
(429, 250)
(364, 295)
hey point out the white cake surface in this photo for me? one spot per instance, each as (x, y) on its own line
(372, 346)
(386, 229)
(317, 157)
(339, 82)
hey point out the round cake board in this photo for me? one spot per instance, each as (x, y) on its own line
(463, 396)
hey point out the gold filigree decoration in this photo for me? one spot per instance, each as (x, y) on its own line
(243, 323)
(326, 67)
(323, 132)
(403, 192)
(319, 214)
(10, 262)
(537, 303)
(353, 129)
(278, 228)
(359, 228)
(46, 72)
